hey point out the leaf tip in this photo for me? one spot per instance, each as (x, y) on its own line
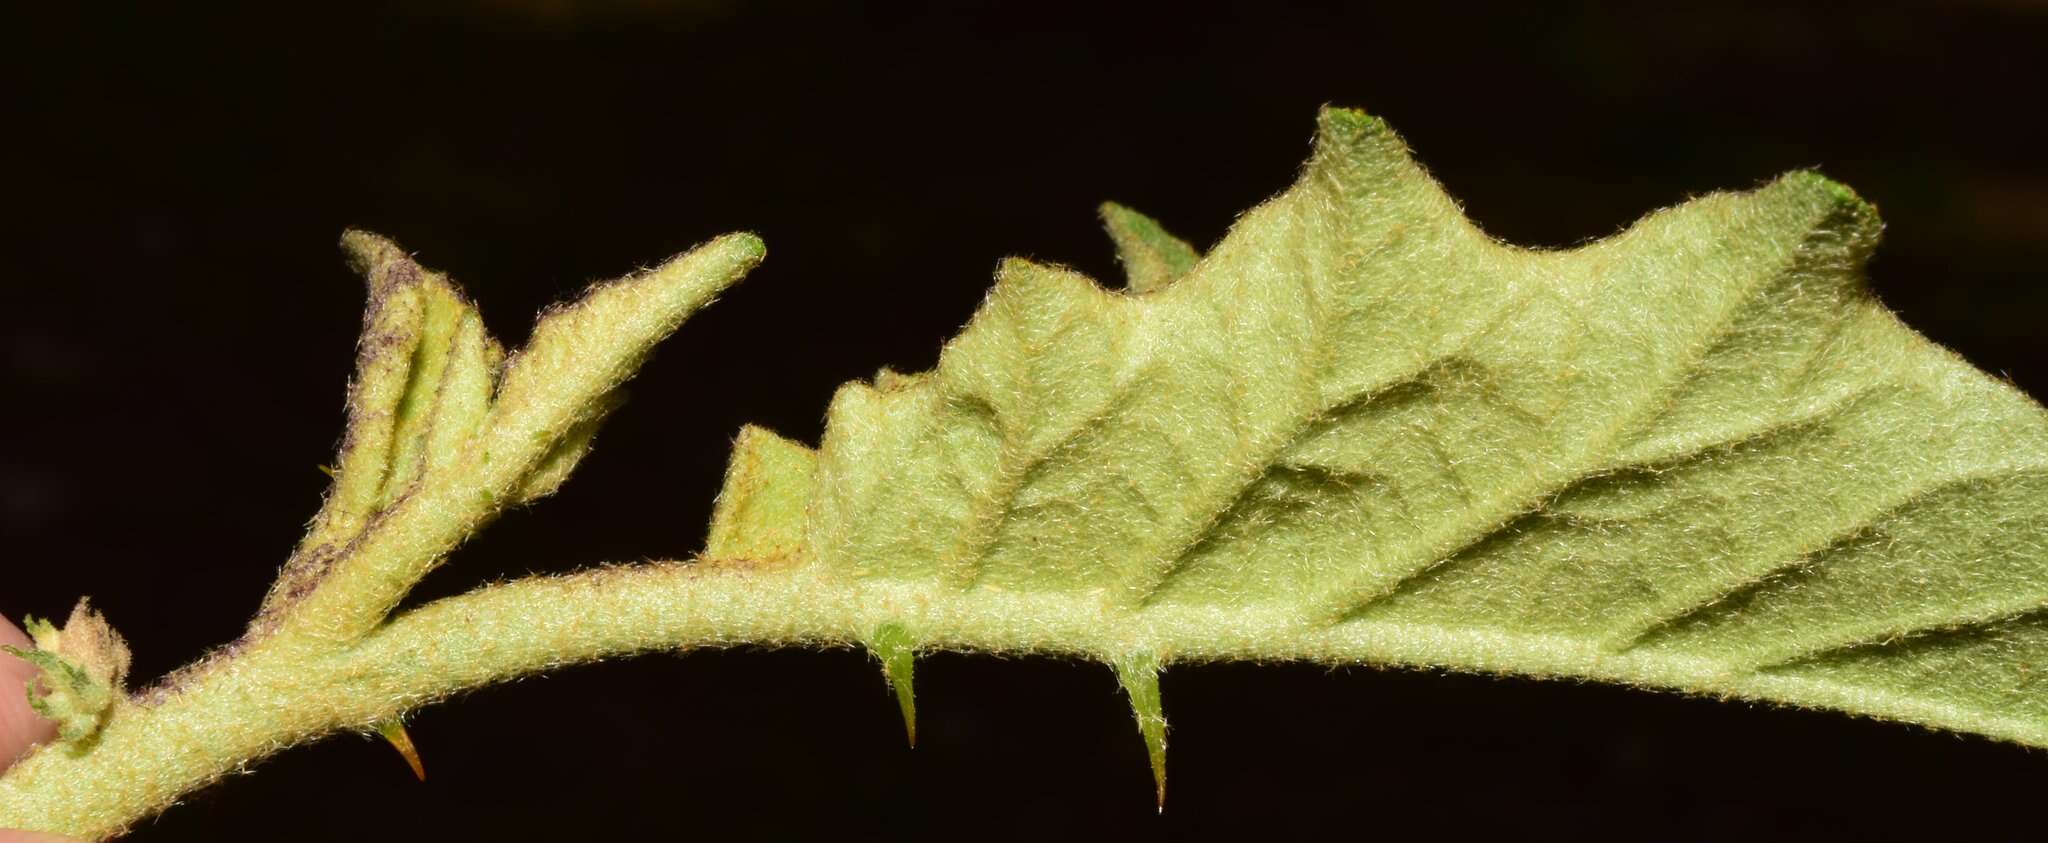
(1840, 196)
(1350, 128)
(1035, 284)
(1352, 118)
(1828, 213)
(1152, 257)
(41, 631)
(368, 253)
(717, 264)
(1115, 214)
(748, 244)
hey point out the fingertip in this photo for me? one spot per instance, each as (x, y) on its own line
(34, 837)
(20, 726)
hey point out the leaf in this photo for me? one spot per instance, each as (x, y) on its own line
(444, 431)
(580, 353)
(1696, 455)
(767, 484)
(425, 369)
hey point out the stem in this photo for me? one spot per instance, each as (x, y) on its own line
(280, 692)
(277, 695)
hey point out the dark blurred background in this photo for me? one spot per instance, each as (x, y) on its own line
(178, 328)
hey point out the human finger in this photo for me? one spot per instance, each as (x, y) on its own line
(20, 726)
(34, 837)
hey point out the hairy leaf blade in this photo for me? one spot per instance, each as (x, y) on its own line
(1698, 447)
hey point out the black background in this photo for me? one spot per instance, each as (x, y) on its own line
(178, 328)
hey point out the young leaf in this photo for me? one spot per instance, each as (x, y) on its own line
(1695, 455)
(458, 440)
(425, 369)
(83, 671)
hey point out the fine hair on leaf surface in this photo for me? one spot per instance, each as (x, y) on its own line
(1695, 456)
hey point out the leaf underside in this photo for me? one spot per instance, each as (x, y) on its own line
(1697, 454)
